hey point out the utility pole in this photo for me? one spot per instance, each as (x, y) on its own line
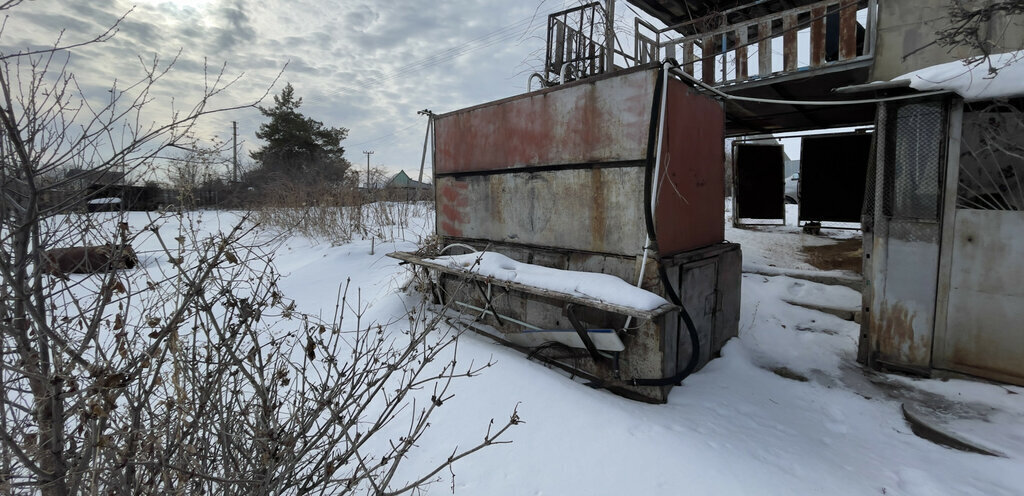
(430, 127)
(368, 153)
(234, 151)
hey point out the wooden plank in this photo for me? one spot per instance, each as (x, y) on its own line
(848, 29)
(817, 36)
(764, 48)
(789, 47)
(741, 54)
(547, 293)
(688, 57)
(707, 61)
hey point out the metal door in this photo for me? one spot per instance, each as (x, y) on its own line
(983, 334)
(905, 251)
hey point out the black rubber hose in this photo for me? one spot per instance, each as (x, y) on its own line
(684, 316)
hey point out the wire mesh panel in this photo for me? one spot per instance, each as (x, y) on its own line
(992, 158)
(875, 162)
(917, 136)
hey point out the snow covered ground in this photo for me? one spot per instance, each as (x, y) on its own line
(785, 411)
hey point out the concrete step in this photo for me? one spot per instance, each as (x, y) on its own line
(845, 313)
(834, 278)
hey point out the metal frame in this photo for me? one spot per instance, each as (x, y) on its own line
(822, 223)
(954, 125)
(735, 190)
(514, 286)
(572, 44)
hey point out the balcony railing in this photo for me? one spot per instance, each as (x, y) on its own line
(811, 37)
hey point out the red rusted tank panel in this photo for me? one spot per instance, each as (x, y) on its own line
(595, 121)
(586, 207)
(690, 208)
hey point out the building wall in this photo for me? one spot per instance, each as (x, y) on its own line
(906, 26)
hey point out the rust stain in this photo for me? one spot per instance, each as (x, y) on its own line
(707, 61)
(597, 220)
(452, 208)
(764, 48)
(895, 340)
(449, 229)
(595, 122)
(848, 30)
(817, 36)
(691, 178)
(497, 194)
(789, 47)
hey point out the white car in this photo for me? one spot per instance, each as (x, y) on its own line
(792, 189)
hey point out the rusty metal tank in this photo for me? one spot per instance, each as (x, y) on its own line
(570, 177)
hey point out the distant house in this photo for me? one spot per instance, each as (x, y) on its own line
(403, 181)
(401, 186)
(86, 178)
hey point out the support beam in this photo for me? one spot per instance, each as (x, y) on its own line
(848, 29)
(741, 54)
(707, 61)
(688, 57)
(789, 47)
(817, 36)
(764, 48)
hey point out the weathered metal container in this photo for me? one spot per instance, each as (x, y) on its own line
(568, 178)
(566, 167)
(944, 240)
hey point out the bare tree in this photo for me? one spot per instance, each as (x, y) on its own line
(196, 169)
(193, 372)
(981, 27)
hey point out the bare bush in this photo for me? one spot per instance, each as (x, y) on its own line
(192, 373)
(337, 213)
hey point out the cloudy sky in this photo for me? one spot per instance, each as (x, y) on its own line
(360, 64)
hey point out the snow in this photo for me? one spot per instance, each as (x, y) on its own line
(785, 410)
(972, 81)
(104, 201)
(602, 287)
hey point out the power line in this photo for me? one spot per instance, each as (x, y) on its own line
(371, 140)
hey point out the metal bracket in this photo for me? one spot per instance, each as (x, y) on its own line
(582, 331)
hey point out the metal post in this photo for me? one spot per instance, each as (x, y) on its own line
(609, 35)
(368, 153)
(234, 150)
(426, 139)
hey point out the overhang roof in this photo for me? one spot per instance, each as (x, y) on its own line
(673, 12)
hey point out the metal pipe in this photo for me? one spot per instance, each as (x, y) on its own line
(529, 81)
(657, 167)
(684, 316)
(492, 312)
(460, 245)
(561, 73)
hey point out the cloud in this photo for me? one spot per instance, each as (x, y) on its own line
(236, 28)
(360, 64)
